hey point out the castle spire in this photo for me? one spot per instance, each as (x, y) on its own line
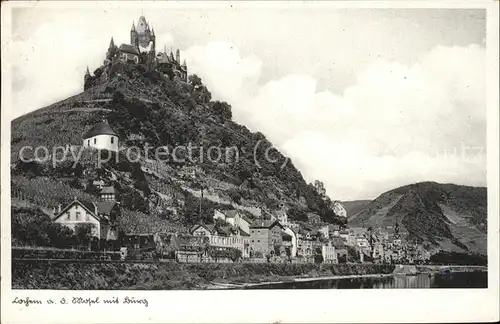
(133, 25)
(184, 63)
(87, 72)
(111, 43)
(152, 31)
(178, 56)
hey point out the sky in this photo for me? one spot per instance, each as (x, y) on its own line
(364, 100)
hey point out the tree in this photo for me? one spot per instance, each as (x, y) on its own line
(195, 80)
(320, 188)
(83, 234)
(222, 109)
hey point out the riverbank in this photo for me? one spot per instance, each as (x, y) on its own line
(159, 276)
(401, 270)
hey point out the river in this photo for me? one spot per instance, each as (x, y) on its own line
(476, 279)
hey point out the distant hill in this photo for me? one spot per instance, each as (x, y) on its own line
(355, 206)
(446, 216)
(146, 107)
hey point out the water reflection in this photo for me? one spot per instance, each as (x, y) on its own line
(447, 280)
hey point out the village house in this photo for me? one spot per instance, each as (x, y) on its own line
(234, 218)
(102, 217)
(202, 229)
(101, 137)
(329, 254)
(290, 241)
(265, 235)
(223, 237)
(362, 242)
(324, 231)
(378, 252)
(281, 216)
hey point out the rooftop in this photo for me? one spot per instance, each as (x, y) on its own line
(108, 190)
(128, 49)
(100, 129)
(264, 223)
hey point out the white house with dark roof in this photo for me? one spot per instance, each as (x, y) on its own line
(101, 137)
(102, 216)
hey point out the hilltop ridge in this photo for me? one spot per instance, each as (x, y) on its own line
(444, 216)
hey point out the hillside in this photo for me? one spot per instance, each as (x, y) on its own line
(146, 108)
(355, 206)
(446, 216)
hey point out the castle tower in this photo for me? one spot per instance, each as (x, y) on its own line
(146, 41)
(178, 56)
(134, 40)
(87, 80)
(111, 50)
(153, 40)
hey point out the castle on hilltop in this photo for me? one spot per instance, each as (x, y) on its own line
(142, 50)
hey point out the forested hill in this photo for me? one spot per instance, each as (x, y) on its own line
(446, 216)
(147, 108)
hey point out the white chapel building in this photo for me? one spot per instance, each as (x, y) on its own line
(101, 137)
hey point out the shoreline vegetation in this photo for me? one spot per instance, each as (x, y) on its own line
(165, 276)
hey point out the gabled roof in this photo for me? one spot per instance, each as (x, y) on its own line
(108, 190)
(128, 49)
(230, 213)
(265, 224)
(209, 227)
(243, 233)
(87, 205)
(100, 129)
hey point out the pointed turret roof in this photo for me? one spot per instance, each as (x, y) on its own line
(142, 25)
(87, 72)
(184, 63)
(112, 42)
(152, 31)
(133, 26)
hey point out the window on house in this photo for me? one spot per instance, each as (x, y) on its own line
(88, 142)
(95, 140)
(87, 218)
(67, 216)
(78, 215)
(112, 140)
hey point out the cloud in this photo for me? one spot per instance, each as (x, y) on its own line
(396, 125)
